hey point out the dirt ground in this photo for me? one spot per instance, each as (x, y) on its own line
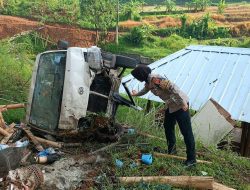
(10, 26)
(234, 16)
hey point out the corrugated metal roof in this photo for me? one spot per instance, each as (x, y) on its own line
(204, 72)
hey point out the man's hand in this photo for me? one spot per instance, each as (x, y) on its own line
(185, 107)
(134, 93)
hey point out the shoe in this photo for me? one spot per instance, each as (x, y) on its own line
(160, 150)
(189, 163)
(173, 152)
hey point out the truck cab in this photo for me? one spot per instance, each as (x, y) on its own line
(71, 87)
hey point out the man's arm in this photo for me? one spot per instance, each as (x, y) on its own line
(144, 91)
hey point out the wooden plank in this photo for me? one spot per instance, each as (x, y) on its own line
(4, 132)
(105, 148)
(178, 157)
(218, 186)
(49, 143)
(2, 123)
(176, 181)
(12, 106)
(150, 136)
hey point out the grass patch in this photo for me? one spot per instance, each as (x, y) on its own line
(227, 167)
(155, 47)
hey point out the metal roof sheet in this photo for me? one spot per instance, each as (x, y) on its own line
(204, 72)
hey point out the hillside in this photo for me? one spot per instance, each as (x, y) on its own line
(182, 2)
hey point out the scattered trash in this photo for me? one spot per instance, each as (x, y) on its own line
(10, 159)
(29, 178)
(133, 165)
(22, 144)
(204, 173)
(49, 159)
(131, 131)
(46, 152)
(118, 163)
(47, 156)
(147, 159)
(3, 146)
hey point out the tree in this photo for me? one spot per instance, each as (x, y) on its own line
(170, 5)
(200, 5)
(101, 13)
(221, 6)
(130, 10)
(1, 4)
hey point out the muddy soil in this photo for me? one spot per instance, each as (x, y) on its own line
(10, 26)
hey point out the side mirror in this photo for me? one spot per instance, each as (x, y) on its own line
(114, 61)
(126, 62)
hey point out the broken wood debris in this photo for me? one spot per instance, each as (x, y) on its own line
(56, 144)
(178, 157)
(4, 132)
(32, 138)
(104, 148)
(11, 106)
(144, 134)
(176, 181)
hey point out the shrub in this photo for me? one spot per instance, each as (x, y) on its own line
(164, 32)
(139, 35)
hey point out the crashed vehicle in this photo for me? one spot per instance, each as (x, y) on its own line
(75, 90)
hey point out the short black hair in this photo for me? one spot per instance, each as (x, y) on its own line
(141, 72)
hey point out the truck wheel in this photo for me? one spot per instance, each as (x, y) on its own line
(104, 135)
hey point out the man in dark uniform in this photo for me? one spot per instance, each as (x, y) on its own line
(177, 109)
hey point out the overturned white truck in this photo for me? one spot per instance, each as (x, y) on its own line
(72, 89)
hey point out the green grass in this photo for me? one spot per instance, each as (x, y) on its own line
(154, 48)
(157, 48)
(16, 63)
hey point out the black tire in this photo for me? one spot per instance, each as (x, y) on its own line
(103, 134)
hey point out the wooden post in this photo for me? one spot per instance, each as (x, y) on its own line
(117, 24)
(148, 106)
(245, 139)
(178, 157)
(176, 181)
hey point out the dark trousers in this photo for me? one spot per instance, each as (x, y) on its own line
(184, 121)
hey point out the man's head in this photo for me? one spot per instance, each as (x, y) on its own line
(141, 73)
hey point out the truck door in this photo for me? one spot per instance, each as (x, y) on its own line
(47, 95)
